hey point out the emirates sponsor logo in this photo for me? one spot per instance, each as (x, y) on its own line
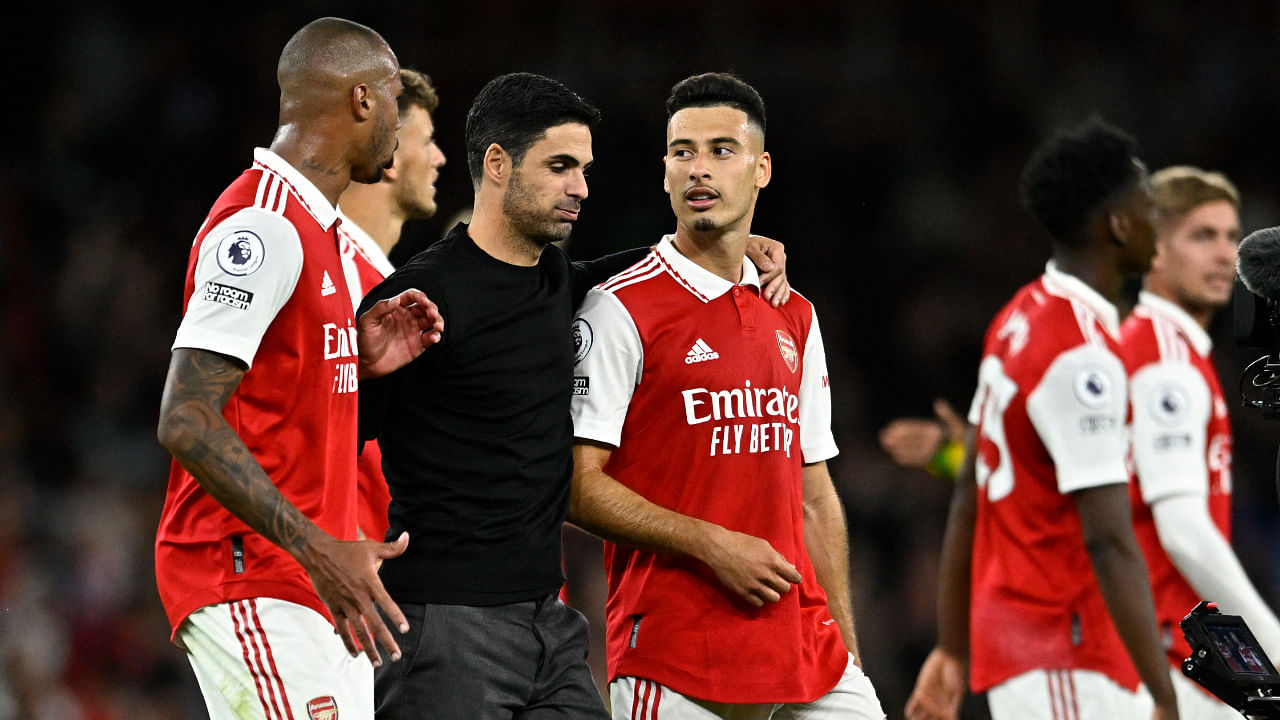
(777, 407)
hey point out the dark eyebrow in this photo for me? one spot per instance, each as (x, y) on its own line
(566, 159)
(714, 141)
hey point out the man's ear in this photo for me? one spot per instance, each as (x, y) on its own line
(361, 102)
(1120, 226)
(497, 164)
(764, 169)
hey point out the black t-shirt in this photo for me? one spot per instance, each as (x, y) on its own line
(476, 435)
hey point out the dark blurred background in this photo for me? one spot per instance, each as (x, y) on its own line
(897, 129)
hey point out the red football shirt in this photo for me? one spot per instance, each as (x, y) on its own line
(366, 266)
(1050, 412)
(265, 284)
(713, 400)
(1181, 443)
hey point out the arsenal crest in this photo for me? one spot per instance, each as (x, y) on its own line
(787, 347)
(323, 708)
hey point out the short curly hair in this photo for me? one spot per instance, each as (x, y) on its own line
(1076, 172)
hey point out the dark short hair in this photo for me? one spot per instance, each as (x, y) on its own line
(515, 111)
(717, 88)
(1075, 173)
(418, 92)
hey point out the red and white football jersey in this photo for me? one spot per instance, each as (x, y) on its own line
(1181, 443)
(366, 266)
(265, 285)
(1050, 412)
(713, 400)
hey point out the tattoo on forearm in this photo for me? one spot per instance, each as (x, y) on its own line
(199, 386)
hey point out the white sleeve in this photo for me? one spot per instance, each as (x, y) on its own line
(1205, 559)
(1078, 409)
(816, 440)
(608, 359)
(247, 269)
(1171, 406)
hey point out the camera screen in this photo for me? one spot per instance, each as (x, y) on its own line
(1235, 648)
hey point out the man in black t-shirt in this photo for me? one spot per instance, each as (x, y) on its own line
(476, 435)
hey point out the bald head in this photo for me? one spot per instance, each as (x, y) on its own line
(339, 82)
(331, 55)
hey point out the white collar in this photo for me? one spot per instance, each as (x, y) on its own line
(1156, 305)
(699, 280)
(312, 199)
(365, 244)
(1063, 285)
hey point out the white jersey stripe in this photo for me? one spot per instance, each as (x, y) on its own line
(619, 282)
(1087, 322)
(279, 196)
(271, 195)
(261, 193)
(644, 266)
(1162, 338)
(1172, 345)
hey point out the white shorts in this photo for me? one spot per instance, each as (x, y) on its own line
(1194, 702)
(267, 659)
(853, 698)
(1063, 695)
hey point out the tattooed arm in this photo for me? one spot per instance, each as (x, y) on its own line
(192, 428)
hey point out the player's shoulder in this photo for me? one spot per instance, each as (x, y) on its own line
(248, 237)
(636, 279)
(1038, 326)
(798, 306)
(1139, 339)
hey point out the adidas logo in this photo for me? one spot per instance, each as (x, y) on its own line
(700, 352)
(326, 287)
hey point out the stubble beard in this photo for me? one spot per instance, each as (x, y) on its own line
(521, 207)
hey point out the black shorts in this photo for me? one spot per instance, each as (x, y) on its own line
(525, 661)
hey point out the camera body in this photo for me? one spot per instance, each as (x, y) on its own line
(1227, 660)
(1256, 324)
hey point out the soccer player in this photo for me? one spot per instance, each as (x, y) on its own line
(256, 559)
(702, 430)
(1044, 592)
(371, 216)
(1181, 492)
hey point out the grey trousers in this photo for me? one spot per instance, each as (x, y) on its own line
(522, 661)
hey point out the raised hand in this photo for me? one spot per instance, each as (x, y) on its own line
(395, 331)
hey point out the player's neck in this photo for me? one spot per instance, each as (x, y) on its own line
(1202, 315)
(308, 154)
(359, 204)
(1097, 270)
(719, 252)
